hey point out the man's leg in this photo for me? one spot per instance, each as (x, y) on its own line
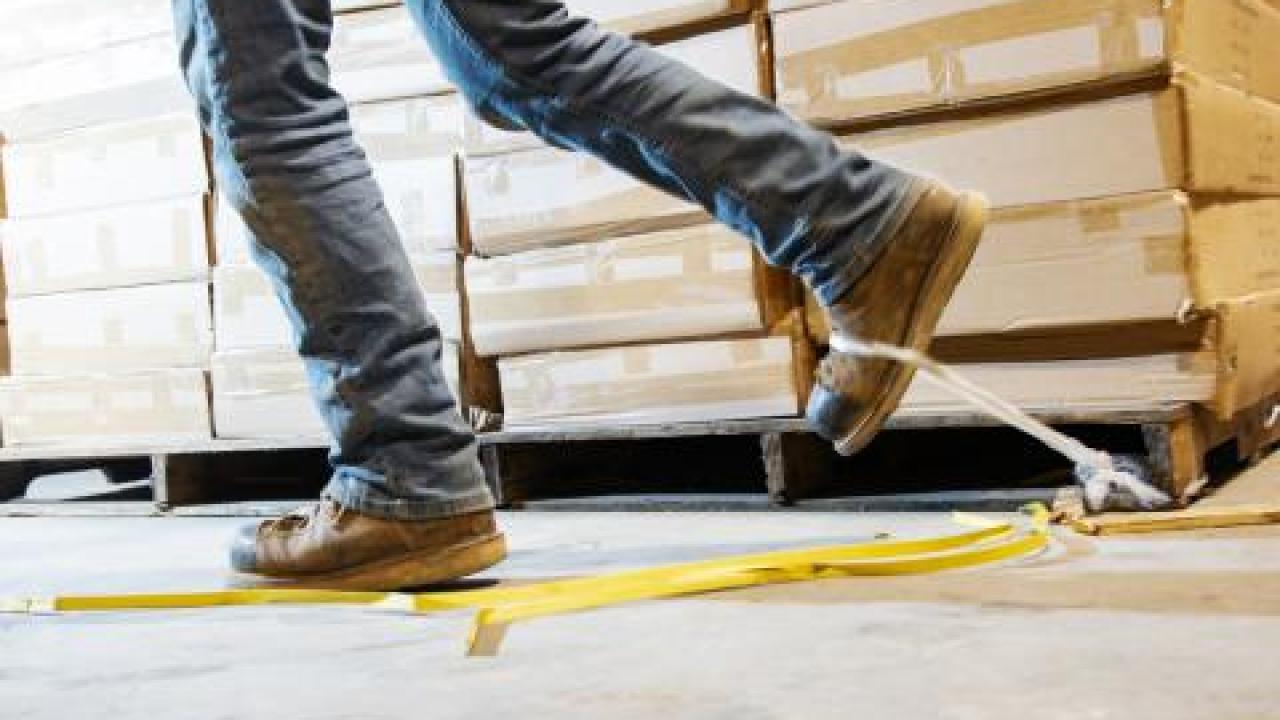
(883, 250)
(285, 159)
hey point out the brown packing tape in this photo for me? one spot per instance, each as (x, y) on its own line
(636, 361)
(939, 39)
(1165, 254)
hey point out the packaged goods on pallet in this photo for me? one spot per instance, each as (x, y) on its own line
(106, 165)
(118, 83)
(1101, 384)
(144, 408)
(263, 394)
(1114, 261)
(120, 329)
(545, 198)
(80, 26)
(697, 281)
(248, 315)
(650, 16)
(1197, 136)
(646, 384)
(845, 61)
(380, 55)
(730, 56)
(154, 242)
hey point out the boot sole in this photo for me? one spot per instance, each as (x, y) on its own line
(948, 270)
(414, 569)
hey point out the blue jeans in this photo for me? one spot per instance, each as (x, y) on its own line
(285, 159)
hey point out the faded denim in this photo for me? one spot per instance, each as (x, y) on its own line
(284, 157)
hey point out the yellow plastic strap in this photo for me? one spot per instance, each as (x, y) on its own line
(500, 607)
(931, 556)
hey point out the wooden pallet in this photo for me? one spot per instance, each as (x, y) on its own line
(792, 461)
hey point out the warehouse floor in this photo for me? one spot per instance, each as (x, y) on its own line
(1175, 626)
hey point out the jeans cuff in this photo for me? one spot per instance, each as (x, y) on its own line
(840, 283)
(351, 493)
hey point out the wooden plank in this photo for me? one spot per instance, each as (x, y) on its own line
(1189, 519)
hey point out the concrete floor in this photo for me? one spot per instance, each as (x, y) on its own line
(1176, 626)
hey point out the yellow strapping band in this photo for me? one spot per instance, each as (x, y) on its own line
(498, 608)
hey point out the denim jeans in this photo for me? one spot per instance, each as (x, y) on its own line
(285, 159)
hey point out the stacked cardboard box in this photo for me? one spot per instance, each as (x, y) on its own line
(68, 64)
(607, 300)
(1130, 150)
(107, 285)
(259, 382)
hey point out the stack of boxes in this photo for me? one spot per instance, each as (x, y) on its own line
(607, 301)
(105, 244)
(410, 125)
(1129, 148)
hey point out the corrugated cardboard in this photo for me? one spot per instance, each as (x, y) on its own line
(729, 56)
(99, 331)
(142, 409)
(107, 165)
(117, 83)
(546, 198)
(686, 382)
(420, 193)
(77, 26)
(1235, 249)
(156, 242)
(1100, 384)
(1249, 352)
(1121, 260)
(379, 55)
(247, 314)
(1076, 263)
(674, 284)
(1197, 135)
(263, 394)
(845, 61)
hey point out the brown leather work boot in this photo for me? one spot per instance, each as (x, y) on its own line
(328, 546)
(899, 301)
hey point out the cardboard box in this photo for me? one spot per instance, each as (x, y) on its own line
(143, 409)
(156, 242)
(645, 288)
(1197, 135)
(380, 55)
(107, 165)
(263, 394)
(107, 331)
(623, 17)
(1111, 261)
(247, 314)
(81, 26)
(129, 81)
(547, 198)
(1133, 383)
(637, 385)
(845, 61)
(731, 57)
(1248, 346)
